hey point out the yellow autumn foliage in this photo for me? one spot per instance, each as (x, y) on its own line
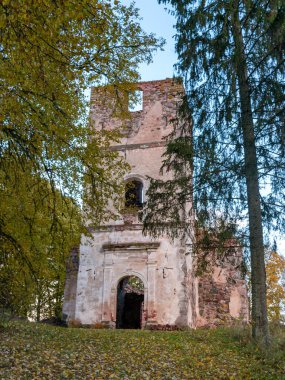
(275, 273)
(50, 53)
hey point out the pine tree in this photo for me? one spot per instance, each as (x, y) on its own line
(231, 58)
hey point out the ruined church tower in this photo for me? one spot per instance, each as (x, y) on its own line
(125, 279)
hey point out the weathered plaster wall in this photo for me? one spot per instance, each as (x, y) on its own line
(119, 248)
(117, 253)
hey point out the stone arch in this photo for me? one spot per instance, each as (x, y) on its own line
(130, 298)
(120, 277)
(136, 176)
(127, 274)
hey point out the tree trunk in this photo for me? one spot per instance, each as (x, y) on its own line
(258, 277)
(38, 310)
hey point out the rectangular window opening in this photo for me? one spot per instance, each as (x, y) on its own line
(136, 101)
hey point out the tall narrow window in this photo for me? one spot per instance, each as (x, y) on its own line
(134, 194)
(136, 101)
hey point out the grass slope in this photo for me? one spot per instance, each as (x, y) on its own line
(38, 351)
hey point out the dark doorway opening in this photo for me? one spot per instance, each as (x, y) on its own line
(130, 298)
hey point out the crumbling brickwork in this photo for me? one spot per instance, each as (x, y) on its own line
(222, 292)
(70, 290)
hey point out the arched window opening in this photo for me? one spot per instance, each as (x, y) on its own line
(130, 298)
(134, 194)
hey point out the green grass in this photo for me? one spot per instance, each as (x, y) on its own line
(38, 351)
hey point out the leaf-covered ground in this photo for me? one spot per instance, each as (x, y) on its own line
(38, 351)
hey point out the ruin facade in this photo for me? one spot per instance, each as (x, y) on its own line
(128, 280)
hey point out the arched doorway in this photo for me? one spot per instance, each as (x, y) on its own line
(130, 298)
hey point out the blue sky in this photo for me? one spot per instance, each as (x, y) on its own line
(155, 19)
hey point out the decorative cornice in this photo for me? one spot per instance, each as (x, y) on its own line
(130, 246)
(116, 227)
(145, 145)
